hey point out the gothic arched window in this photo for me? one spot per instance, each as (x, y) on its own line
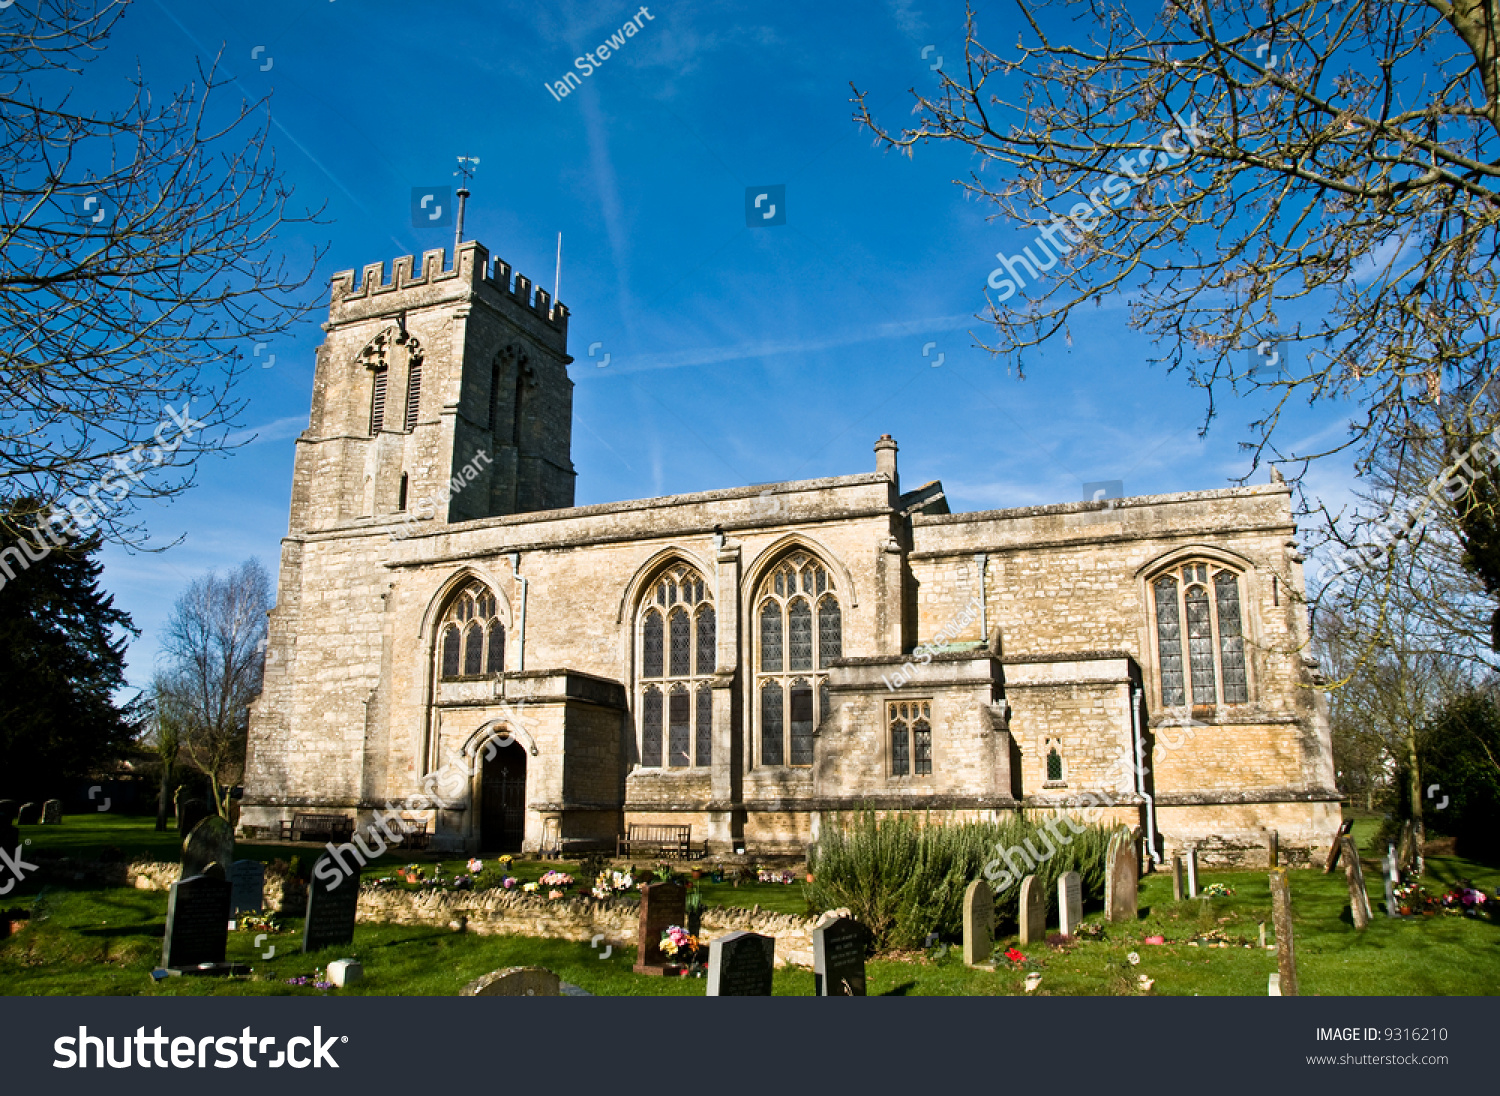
(678, 651)
(801, 631)
(1200, 641)
(472, 635)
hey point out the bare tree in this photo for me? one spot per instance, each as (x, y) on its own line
(213, 647)
(139, 269)
(1225, 162)
(164, 737)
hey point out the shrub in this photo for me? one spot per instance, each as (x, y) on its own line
(904, 875)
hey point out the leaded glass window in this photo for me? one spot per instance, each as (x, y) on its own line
(909, 724)
(651, 645)
(451, 650)
(680, 631)
(679, 728)
(705, 729)
(800, 628)
(1231, 639)
(473, 634)
(802, 723)
(900, 740)
(708, 640)
(678, 640)
(771, 729)
(1054, 765)
(651, 728)
(1200, 639)
(1169, 641)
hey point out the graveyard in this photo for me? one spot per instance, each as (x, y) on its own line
(72, 932)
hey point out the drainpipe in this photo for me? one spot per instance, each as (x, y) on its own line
(515, 566)
(980, 558)
(1137, 696)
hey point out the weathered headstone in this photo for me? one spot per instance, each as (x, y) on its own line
(52, 812)
(1273, 849)
(1121, 877)
(515, 982)
(979, 922)
(1359, 898)
(1177, 879)
(1391, 878)
(740, 965)
(197, 923)
(248, 878)
(839, 958)
(1337, 848)
(1069, 903)
(189, 813)
(332, 899)
(211, 841)
(1033, 910)
(1192, 871)
(1273, 988)
(1281, 913)
(662, 905)
(1406, 847)
(29, 815)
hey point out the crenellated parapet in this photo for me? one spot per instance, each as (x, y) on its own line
(474, 272)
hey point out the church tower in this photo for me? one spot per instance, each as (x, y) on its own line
(440, 396)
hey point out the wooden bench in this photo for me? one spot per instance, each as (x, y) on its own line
(317, 827)
(664, 840)
(412, 831)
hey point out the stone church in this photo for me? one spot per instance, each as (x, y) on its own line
(456, 644)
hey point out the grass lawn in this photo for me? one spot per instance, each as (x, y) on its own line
(103, 940)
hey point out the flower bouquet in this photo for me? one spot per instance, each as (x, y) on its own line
(556, 879)
(679, 945)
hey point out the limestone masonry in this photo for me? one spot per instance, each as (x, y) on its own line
(456, 644)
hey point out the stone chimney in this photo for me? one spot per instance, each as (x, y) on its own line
(885, 460)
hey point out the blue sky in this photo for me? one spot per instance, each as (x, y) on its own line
(737, 355)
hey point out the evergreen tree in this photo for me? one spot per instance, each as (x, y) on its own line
(62, 660)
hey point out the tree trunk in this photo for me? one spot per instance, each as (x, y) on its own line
(1414, 791)
(161, 799)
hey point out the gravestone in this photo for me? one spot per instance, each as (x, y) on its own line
(1406, 849)
(332, 899)
(1337, 848)
(740, 965)
(662, 905)
(248, 878)
(1281, 914)
(197, 923)
(211, 841)
(52, 812)
(1033, 910)
(1121, 877)
(1070, 903)
(515, 982)
(1273, 849)
(189, 813)
(345, 972)
(839, 958)
(1192, 868)
(1391, 878)
(979, 922)
(29, 815)
(1177, 879)
(1359, 898)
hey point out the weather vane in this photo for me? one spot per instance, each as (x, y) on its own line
(467, 165)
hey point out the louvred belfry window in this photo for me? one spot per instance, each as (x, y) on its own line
(800, 632)
(472, 635)
(678, 640)
(1200, 641)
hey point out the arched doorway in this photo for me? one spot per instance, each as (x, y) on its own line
(502, 800)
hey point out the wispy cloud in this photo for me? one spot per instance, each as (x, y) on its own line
(275, 430)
